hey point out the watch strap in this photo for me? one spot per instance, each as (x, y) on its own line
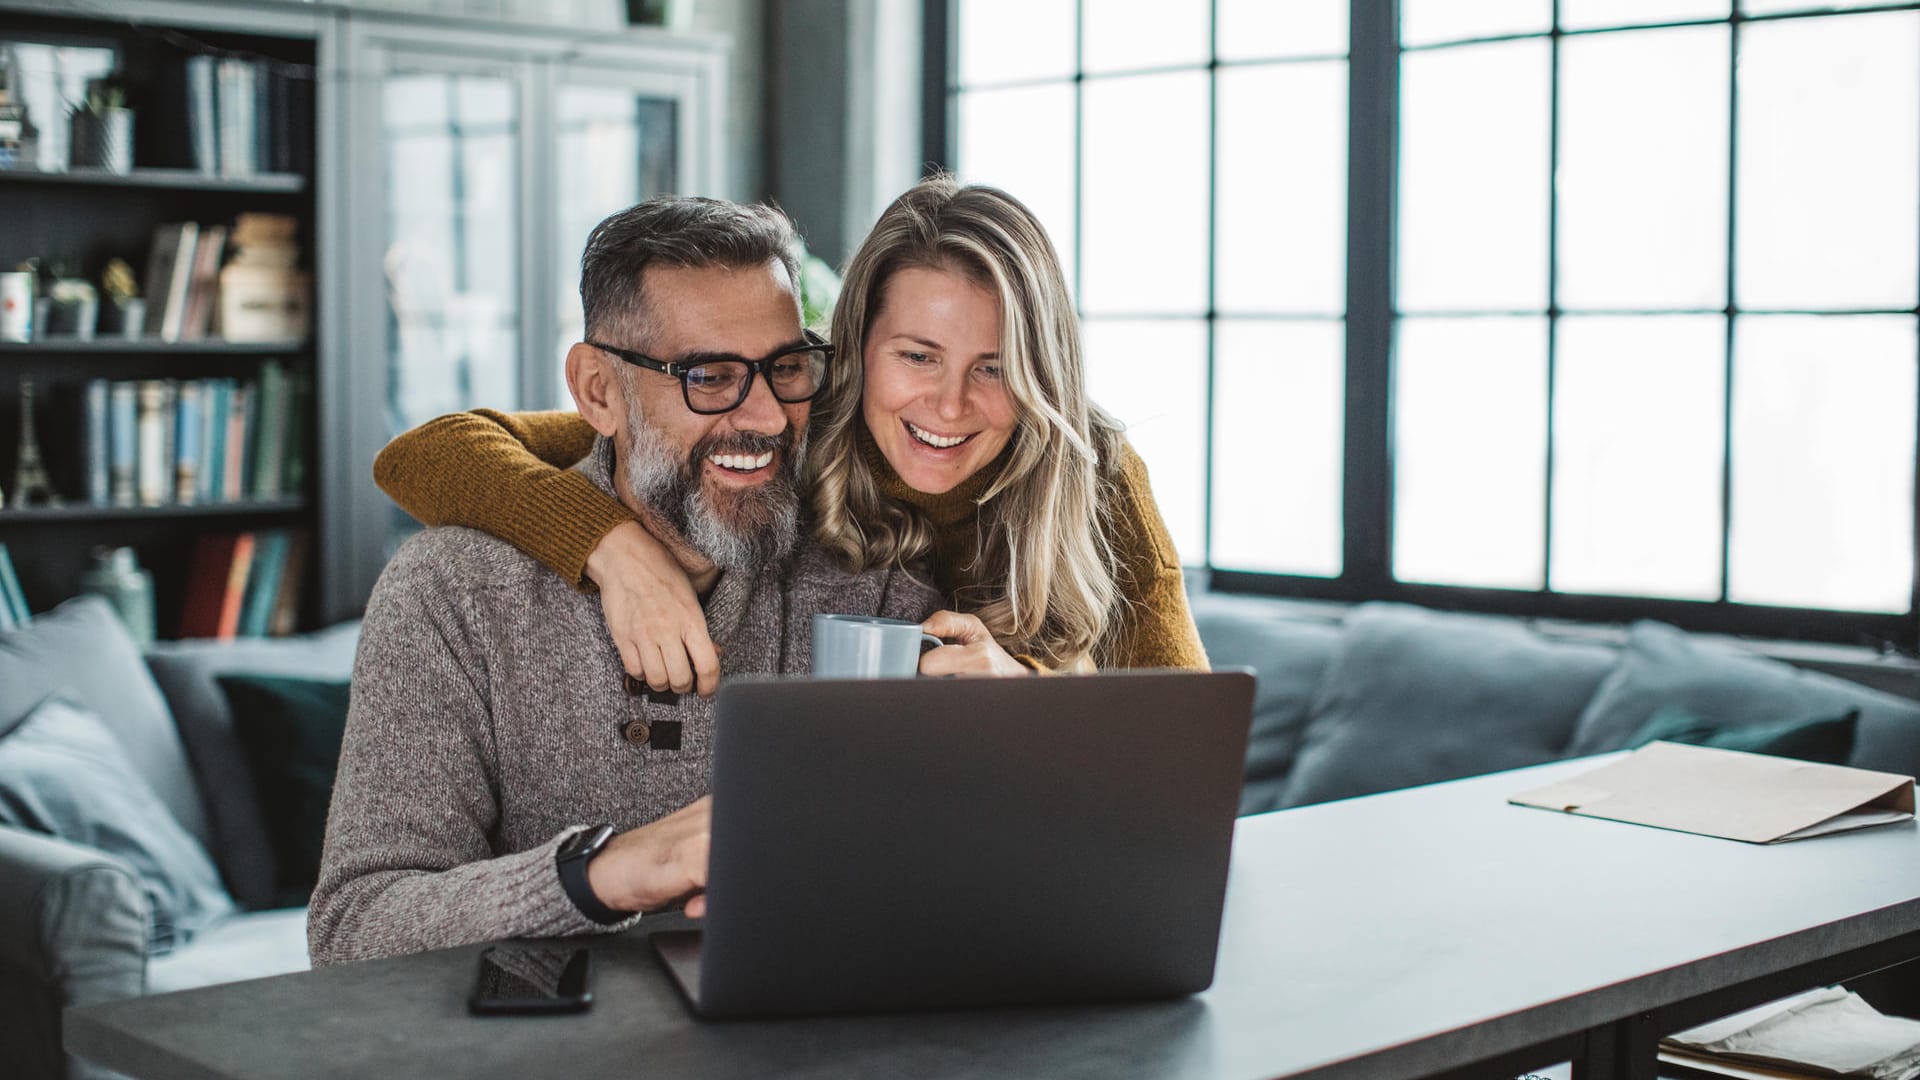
(574, 854)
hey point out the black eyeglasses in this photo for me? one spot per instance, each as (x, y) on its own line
(716, 384)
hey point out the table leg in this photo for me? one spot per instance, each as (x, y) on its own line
(1623, 1050)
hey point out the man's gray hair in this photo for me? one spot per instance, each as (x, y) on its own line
(677, 231)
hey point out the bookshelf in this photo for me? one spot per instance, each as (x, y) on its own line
(84, 217)
(442, 278)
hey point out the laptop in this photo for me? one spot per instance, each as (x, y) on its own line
(900, 844)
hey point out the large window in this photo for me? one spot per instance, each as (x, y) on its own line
(1622, 319)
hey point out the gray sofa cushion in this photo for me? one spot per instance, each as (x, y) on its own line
(248, 945)
(1416, 696)
(187, 671)
(81, 651)
(1289, 656)
(63, 774)
(1724, 685)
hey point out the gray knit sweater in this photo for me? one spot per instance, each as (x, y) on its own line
(486, 727)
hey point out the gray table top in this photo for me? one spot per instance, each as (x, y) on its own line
(1394, 935)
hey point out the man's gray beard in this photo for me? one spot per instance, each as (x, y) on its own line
(761, 525)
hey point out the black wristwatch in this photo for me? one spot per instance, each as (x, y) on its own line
(575, 853)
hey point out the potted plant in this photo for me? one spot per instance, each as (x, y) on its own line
(122, 312)
(103, 129)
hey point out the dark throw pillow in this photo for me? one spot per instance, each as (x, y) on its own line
(290, 730)
(1727, 686)
(1828, 741)
(64, 774)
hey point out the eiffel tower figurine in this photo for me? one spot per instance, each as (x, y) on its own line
(30, 483)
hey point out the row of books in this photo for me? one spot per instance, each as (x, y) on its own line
(244, 585)
(13, 602)
(243, 115)
(260, 295)
(161, 442)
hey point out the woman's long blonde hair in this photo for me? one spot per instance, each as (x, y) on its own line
(1044, 579)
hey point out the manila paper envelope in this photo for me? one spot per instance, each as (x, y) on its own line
(1726, 793)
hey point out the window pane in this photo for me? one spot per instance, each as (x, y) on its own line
(1473, 178)
(1423, 22)
(1639, 407)
(1004, 40)
(623, 148)
(1823, 460)
(1144, 195)
(1258, 29)
(1279, 397)
(1281, 227)
(1022, 140)
(1586, 14)
(1763, 7)
(1153, 377)
(1643, 170)
(1122, 35)
(452, 258)
(1470, 452)
(1829, 136)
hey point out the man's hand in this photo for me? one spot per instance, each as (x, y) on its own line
(970, 648)
(652, 612)
(648, 868)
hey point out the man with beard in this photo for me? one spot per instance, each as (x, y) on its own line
(501, 776)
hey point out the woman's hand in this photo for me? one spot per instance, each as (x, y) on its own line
(652, 612)
(969, 649)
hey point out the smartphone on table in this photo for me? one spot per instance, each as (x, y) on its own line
(531, 980)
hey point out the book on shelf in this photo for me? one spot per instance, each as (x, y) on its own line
(204, 284)
(270, 552)
(154, 428)
(284, 619)
(216, 586)
(212, 429)
(13, 602)
(123, 446)
(269, 449)
(229, 116)
(203, 130)
(181, 442)
(294, 464)
(236, 102)
(233, 466)
(186, 443)
(99, 447)
(169, 274)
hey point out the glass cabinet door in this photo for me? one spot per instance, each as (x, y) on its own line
(477, 159)
(452, 257)
(621, 144)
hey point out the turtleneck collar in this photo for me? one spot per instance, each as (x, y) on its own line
(946, 509)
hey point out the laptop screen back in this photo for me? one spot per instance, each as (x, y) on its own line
(927, 843)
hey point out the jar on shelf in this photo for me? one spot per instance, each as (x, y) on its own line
(117, 576)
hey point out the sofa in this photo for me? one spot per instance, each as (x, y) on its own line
(1368, 698)
(1350, 700)
(76, 924)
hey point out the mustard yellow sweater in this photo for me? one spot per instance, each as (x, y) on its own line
(509, 474)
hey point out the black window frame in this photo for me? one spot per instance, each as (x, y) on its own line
(1374, 53)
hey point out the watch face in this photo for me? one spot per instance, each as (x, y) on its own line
(584, 842)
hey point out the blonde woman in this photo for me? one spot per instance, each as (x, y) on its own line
(954, 429)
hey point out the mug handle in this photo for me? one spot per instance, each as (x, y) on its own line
(928, 641)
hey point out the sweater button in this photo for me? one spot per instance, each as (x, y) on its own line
(636, 732)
